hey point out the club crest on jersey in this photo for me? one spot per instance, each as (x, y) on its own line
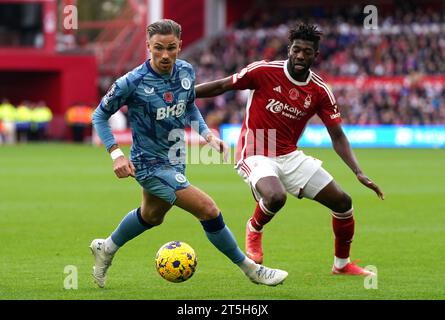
(168, 97)
(307, 101)
(293, 94)
(186, 83)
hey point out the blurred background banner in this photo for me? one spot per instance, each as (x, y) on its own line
(373, 136)
(65, 55)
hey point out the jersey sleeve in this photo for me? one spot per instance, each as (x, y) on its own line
(247, 78)
(113, 100)
(328, 110)
(193, 114)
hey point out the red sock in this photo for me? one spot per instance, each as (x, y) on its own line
(261, 216)
(344, 232)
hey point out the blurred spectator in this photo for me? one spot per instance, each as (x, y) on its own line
(79, 119)
(41, 116)
(408, 43)
(23, 121)
(7, 122)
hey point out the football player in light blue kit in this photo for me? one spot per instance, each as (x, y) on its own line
(161, 102)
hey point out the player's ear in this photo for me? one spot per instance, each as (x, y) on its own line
(316, 53)
(148, 44)
(180, 45)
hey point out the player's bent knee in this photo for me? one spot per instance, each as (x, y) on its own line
(274, 201)
(209, 210)
(152, 218)
(343, 207)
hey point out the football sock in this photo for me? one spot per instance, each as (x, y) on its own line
(261, 216)
(248, 266)
(110, 246)
(130, 227)
(344, 232)
(222, 238)
(340, 263)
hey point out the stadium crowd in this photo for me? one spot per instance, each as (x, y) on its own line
(407, 44)
(27, 121)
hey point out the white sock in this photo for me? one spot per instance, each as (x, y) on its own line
(110, 246)
(252, 229)
(248, 265)
(340, 263)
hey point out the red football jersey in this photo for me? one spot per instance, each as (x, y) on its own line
(279, 107)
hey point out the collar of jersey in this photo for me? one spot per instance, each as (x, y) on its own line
(147, 63)
(298, 83)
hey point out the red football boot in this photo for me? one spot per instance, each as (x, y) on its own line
(351, 269)
(254, 249)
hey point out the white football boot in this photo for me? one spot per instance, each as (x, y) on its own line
(267, 276)
(102, 261)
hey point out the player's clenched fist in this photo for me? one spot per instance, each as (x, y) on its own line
(123, 167)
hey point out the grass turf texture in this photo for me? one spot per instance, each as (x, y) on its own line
(56, 198)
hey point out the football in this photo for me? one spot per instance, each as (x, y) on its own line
(176, 261)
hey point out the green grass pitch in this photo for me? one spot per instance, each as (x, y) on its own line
(54, 199)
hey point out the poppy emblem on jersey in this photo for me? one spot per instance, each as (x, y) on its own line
(293, 94)
(307, 101)
(186, 83)
(180, 178)
(168, 97)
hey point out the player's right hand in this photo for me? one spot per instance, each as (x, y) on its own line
(123, 167)
(219, 145)
(370, 184)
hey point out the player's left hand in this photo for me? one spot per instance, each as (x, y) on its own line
(219, 145)
(370, 184)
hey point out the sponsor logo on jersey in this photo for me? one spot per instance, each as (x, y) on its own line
(110, 94)
(148, 90)
(180, 178)
(277, 89)
(293, 94)
(186, 83)
(276, 106)
(307, 101)
(176, 110)
(168, 97)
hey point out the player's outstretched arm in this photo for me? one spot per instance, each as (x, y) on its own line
(205, 132)
(342, 147)
(213, 88)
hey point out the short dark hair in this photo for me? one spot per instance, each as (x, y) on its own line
(304, 31)
(164, 27)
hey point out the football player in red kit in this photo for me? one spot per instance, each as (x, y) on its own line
(283, 96)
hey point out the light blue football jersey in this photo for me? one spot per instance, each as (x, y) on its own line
(159, 108)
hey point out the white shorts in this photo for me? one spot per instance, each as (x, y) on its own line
(301, 175)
